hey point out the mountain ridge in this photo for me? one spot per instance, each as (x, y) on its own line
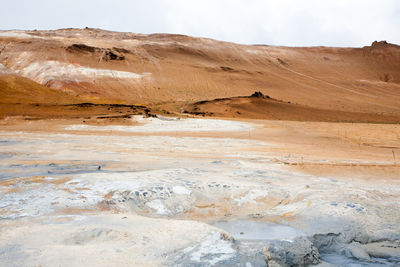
(112, 67)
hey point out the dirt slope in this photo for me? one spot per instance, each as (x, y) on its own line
(16, 89)
(22, 96)
(162, 69)
(263, 107)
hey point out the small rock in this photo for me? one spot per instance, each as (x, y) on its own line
(299, 252)
(354, 250)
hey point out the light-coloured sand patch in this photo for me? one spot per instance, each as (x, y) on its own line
(17, 34)
(103, 240)
(5, 70)
(43, 72)
(177, 125)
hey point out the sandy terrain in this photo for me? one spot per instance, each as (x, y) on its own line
(188, 192)
(122, 149)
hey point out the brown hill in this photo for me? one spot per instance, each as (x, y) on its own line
(174, 70)
(258, 106)
(17, 89)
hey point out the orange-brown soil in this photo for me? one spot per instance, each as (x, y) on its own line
(321, 83)
(254, 107)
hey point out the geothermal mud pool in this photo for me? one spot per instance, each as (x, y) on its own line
(159, 194)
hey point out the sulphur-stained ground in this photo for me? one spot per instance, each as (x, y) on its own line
(199, 192)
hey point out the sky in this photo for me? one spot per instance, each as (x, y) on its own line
(352, 23)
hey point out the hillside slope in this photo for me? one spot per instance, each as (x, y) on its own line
(159, 68)
(16, 89)
(258, 106)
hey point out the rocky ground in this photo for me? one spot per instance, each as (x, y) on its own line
(198, 192)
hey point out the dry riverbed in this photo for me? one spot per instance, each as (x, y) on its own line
(191, 192)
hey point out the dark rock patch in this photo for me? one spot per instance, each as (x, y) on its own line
(282, 62)
(111, 55)
(259, 94)
(228, 69)
(82, 48)
(104, 53)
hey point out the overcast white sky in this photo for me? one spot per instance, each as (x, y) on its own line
(275, 22)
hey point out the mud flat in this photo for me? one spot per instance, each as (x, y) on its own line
(169, 192)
